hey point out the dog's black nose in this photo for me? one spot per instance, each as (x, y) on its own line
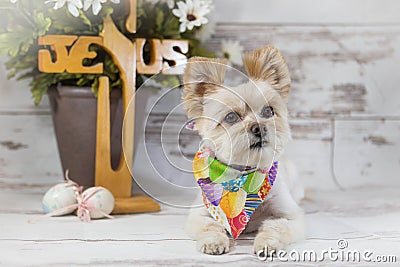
(258, 130)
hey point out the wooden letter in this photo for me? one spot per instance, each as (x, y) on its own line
(119, 182)
(58, 44)
(155, 64)
(80, 51)
(130, 23)
(173, 51)
(72, 61)
(122, 51)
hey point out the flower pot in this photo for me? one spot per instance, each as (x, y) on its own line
(74, 112)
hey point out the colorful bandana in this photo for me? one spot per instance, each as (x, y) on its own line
(231, 195)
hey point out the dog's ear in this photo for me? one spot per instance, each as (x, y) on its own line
(202, 76)
(268, 64)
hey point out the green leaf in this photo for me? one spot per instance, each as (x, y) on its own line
(159, 20)
(11, 74)
(201, 51)
(105, 11)
(81, 81)
(11, 42)
(95, 87)
(170, 81)
(26, 75)
(43, 24)
(171, 27)
(84, 18)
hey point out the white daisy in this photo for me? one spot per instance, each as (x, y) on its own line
(232, 50)
(96, 5)
(72, 5)
(191, 14)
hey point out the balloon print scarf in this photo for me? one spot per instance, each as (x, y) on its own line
(231, 195)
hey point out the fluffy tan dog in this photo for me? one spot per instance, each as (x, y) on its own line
(246, 125)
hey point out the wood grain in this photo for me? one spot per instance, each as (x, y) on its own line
(70, 51)
(308, 12)
(28, 152)
(368, 149)
(119, 181)
(135, 239)
(335, 71)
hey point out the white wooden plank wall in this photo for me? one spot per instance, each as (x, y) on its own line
(309, 12)
(344, 105)
(345, 111)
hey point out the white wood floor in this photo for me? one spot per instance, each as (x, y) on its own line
(368, 219)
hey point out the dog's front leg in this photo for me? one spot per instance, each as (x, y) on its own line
(210, 235)
(285, 226)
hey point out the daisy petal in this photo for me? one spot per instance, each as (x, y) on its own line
(96, 7)
(177, 13)
(182, 28)
(182, 7)
(86, 4)
(59, 4)
(73, 10)
(189, 5)
(190, 26)
(77, 3)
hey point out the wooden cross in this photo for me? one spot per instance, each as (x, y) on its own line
(128, 56)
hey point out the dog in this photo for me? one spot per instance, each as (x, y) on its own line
(246, 125)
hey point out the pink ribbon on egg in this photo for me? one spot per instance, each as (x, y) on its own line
(83, 209)
(78, 187)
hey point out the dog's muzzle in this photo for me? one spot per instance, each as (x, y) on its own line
(259, 136)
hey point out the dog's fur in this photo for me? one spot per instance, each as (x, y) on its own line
(279, 219)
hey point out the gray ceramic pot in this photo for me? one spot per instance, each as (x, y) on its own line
(74, 111)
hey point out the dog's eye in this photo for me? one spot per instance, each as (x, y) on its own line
(267, 112)
(232, 118)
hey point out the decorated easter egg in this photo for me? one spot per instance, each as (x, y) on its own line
(218, 214)
(200, 166)
(99, 201)
(238, 224)
(60, 197)
(254, 182)
(219, 172)
(232, 203)
(212, 192)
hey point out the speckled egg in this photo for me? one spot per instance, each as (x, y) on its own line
(58, 197)
(101, 201)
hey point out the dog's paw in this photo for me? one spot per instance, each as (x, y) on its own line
(266, 243)
(214, 243)
(273, 236)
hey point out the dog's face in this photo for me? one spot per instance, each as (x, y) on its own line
(245, 125)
